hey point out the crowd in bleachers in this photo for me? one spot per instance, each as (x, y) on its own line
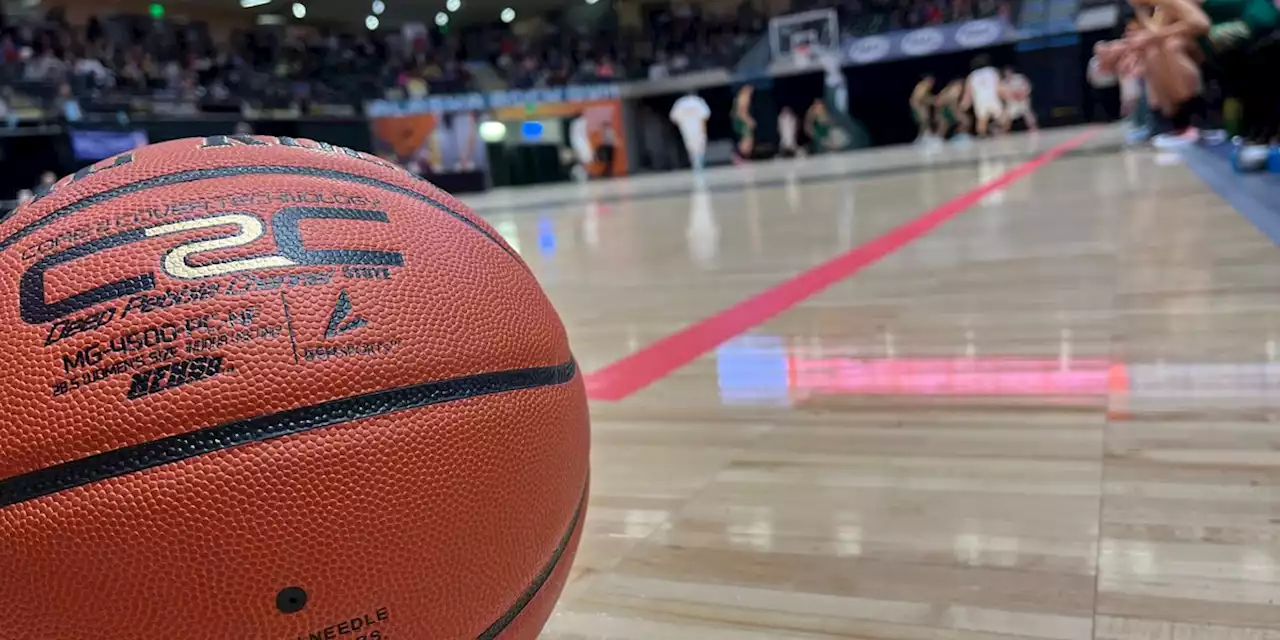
(683, 38)
(122, 57)
(865, 17)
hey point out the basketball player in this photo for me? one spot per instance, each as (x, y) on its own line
(583, 151)
(833, 77)
(788, 127)
(922, 106)
(982, 92)
(1015, 90)
(744, 126)
(690, 114)
(1180, 37)
(817, 123)
(949, 111)
(465, 129)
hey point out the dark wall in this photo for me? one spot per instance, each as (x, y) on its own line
(25, 156)
(879, 93)
(347, 133)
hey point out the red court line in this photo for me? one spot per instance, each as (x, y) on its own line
(634, 372)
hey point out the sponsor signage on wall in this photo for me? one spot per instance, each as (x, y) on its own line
(927, 41)
(488, 101)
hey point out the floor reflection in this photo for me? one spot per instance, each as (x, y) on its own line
(773, 370)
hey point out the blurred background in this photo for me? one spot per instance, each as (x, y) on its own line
(477, 94)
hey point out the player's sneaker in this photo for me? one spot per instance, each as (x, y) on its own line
(1176, 139)
(1137, 135)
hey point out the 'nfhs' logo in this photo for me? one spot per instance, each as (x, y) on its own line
(922, 41)
(227, 231)
(978, 33)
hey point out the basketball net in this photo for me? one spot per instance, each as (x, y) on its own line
(800, 54)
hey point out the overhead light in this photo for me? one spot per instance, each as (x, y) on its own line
(442, 19)
(249, 4)
(299, 10)
(270, 19)
(453, 5)
(378, 7)
(371, 22)
(508, 15)
(592, 1)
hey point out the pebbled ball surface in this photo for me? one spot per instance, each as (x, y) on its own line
(412, 521)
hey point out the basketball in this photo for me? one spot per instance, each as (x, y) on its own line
(262, 387)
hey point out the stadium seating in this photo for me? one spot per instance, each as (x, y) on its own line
(115, 61)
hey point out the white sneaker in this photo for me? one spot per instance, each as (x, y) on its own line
(1213, 136)
(1252, 157)
(1185, 138)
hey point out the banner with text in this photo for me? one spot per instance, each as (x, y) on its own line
(474, 102)
(928, 41)
(431, 143)
(589, 128)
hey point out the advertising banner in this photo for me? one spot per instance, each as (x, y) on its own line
(928, 41)
(431, 143)
(490, 101)
(91, 146)
(588, 129)
(438, 134)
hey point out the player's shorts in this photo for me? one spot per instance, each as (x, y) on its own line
(948, 114)
(988, 107)
(1017, 109)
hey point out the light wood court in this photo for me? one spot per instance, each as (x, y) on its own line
(1052, 416)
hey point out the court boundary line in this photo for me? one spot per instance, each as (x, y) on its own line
(658, 359)
(779, 182)
(1249, 195)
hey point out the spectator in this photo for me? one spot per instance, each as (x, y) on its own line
(788, 125)
(658, 70)
(608, 148)
(119, 56)
(47, 180)
(68, 106)
(45, 67)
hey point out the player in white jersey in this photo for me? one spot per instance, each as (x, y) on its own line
(690, 114)
(982, 91)
(833, 78)
(1015, 90)
(580, 142)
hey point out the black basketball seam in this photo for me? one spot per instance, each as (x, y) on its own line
(193, 175)
(148, 455)
(541, 579)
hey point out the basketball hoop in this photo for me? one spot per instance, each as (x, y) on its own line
(802, 37)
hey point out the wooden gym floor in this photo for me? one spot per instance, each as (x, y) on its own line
(885, 402)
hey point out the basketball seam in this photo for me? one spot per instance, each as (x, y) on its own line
(541, 579)
(175, 448)
(193, 175)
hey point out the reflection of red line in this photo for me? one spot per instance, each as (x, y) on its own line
(640, 369)
(950, 377)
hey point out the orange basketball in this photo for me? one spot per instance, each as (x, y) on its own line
(269, 388)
